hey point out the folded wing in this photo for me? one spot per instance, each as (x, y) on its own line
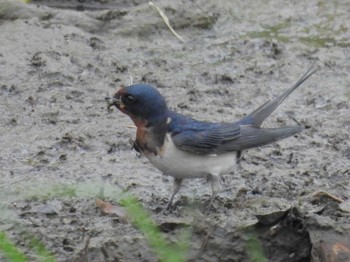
(215, 138)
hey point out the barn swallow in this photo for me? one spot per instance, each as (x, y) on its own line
(182, 147)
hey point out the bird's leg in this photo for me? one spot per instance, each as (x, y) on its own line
(176, 188)
(238, 157)
(215, 185)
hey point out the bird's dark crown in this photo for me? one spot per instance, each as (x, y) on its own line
(142, 101)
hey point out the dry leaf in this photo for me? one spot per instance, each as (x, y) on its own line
(331, 252)
(109, 209)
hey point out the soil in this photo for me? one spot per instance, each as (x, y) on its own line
(61, 148)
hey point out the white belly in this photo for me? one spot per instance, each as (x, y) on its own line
(180, 164)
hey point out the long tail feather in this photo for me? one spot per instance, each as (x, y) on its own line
(257, 117)
(255, 137)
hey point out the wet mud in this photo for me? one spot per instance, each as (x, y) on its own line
(61, 148)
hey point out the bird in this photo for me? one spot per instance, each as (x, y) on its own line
(183, 147)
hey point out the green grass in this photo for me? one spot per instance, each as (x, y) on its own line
(60, 191)
(166, 252)
(254, 249)
(325, 37)
(9, 250)
(271, 32)
(12, 253)
(40, 250)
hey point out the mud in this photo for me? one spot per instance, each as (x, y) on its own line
(61, 148)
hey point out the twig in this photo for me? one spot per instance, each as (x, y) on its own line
(166, 20)
(130, 126)
(329, 195)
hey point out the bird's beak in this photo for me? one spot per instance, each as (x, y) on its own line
(114, 101)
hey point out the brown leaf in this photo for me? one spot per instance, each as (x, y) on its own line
(331, 252)
(109, 209)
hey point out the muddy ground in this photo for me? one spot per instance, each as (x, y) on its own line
(61, 149)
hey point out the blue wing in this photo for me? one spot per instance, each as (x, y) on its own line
(200, 137)
(210, 138)
(215, 138)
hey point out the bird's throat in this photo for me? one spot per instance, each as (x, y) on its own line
(150, 139)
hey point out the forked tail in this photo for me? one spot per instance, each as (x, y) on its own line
(257, 117)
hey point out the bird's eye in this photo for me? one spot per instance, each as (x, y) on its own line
(129, 99)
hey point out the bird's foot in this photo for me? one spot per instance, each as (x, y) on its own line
(212, 200)
(170, 207)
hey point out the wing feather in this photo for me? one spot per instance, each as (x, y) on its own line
(201, 137)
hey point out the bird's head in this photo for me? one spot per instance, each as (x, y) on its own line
(143, 103)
